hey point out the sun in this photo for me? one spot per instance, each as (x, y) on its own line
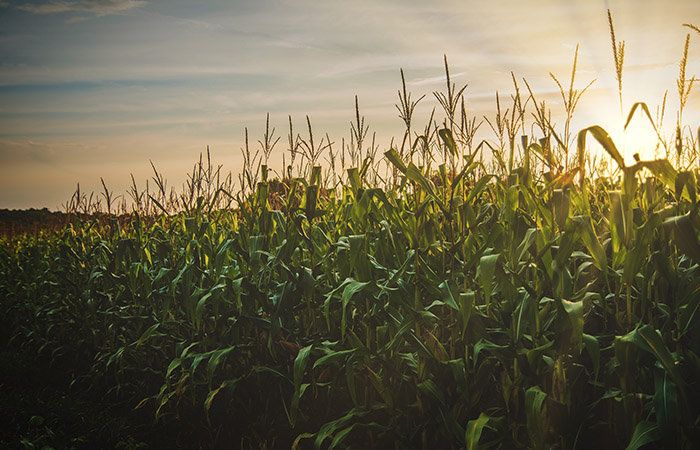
(641, 138)
(638, 139)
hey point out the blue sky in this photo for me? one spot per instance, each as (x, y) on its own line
(97, 88)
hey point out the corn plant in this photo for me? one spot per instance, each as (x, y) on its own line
(454, 307)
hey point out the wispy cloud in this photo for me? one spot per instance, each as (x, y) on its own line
(435, 80)
(98, 8)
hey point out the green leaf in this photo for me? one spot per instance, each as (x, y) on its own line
(603, 139)
(521, 316)
(448, 140)
(644, 433)
(201, 304)
(300, 363)
(310, 200)
(561, 199)
(359, 261)
(339, 436)
(593, 348)
(227, 385)
(662, 169)
(393, 157)
(436, 347)
(618, 225)
(295, 444)
(536, 420)
(414, 174)
(502, 352)
(688, 319)
(574, 311)
(197, 360)
(256, 244)
(334, 357)
(524, 246)
(328, 429)
(590, 240)
(350, 382)
(354, 178)
(215, 360)
(645, 109)
(665, 402)
(381, 388)
(648, 339)
(487, 268)
(534, 355)
(469, 167)
(685, 186)
(448, 289)
(147, 334)
(639, 253)
(466, 306)
(544, 155)
(174, 364)
(473, 431)
(684, 236)
(418, 345)
(478, 188)
(429, 387)
(315, 178)
(284, 300)
(351, 288)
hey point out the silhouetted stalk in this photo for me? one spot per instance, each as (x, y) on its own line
(406, 107)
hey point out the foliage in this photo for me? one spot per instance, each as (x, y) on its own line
(449, 307)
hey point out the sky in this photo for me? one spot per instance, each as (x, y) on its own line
(94, 89)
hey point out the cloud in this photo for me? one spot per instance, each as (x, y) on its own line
(99, 8)
(435, 80)
(26, 151)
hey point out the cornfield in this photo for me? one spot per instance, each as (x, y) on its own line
(521, 292)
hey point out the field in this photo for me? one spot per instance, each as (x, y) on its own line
(520, 292)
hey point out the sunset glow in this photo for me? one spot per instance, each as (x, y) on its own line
(97, 88)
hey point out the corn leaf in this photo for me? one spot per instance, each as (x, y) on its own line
(644, 433)
(603, 139)
(684, 236)
(473, 431)
(300, 363)
(487, 269)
